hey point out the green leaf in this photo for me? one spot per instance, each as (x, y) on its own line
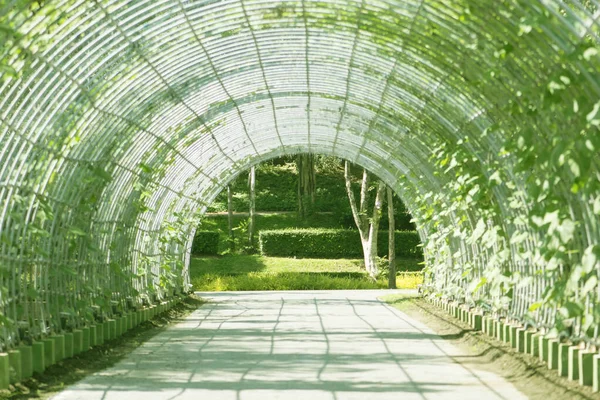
(5, 321)
(33, 293)
(519, 237)
(589, 260)
(39, 231)
(566, 230)
(551, 218)
(479, 230)
(101, 173)
(7, 71)
(535, 306)
(572, 309)
(68, 270)
(590, 285)
(481, 283)
(7, 30)
(76, 231)
(594, 112)
(146, 168)
(495, 177)
(524, 29)
(589, 53)
(4, 239)
(588, 321)
(589, 145)
(574, 167)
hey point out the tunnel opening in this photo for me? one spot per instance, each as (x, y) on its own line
(315, 248)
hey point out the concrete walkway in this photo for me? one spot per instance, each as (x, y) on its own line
(337, 345)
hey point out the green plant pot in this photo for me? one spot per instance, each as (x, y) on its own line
(85, 339)
(513, 336)
(101, 333)
(535, 344)
(499, 330)
(528, 335)
(4, 371)
(507, 337)
(112, 325)
(477, 322)
(38, 353)
(544, 349)
(573, 365)
(520, 339)
(563, 359)
(68, 345)
(49, 351)
(119, 329)
(14, 361)
(553, 353)
(26, 361)
(596, 373)
(59, 348)
(77, 341)
(586, 367)
(94, 340)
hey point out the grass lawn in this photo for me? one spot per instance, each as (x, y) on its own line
(254, 272)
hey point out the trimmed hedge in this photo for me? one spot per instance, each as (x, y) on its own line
(206, 242)
(332, 243)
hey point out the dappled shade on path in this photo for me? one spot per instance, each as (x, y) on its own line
(318, 345)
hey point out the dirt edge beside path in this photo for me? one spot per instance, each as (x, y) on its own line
(69, 371)
(527, 373)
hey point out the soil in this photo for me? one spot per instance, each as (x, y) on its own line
(527, 373)
(69, 371)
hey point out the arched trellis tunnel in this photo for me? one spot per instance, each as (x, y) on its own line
(121, 120)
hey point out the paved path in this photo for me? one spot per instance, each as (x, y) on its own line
(340, 345)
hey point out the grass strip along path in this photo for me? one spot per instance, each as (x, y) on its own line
(253, 272)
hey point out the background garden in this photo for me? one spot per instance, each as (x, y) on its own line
(303, 238)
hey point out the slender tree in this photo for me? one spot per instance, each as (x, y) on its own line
(305, 164)
(391, 240)
(251, 220)
(367, 228)
(230, 218)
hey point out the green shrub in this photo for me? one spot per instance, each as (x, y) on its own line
(406, 243)
(276, 190)
(332, 243)
(206, 242)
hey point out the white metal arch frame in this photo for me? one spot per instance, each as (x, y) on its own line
(120, 121)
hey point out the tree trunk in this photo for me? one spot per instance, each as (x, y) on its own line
(366, 246)
(374, 230)
(300, 169)
(358, 215)
(368, 230)
(392, 240)
(312, 181)
(251, 220)
(230, 219)
(305, 164)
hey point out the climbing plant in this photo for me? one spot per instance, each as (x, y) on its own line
(121, 121)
